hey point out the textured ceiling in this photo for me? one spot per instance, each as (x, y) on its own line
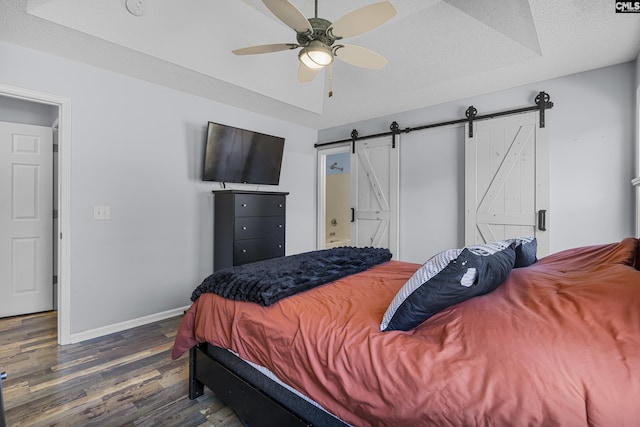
(438, 51)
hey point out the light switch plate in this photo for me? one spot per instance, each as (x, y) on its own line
(101, 213)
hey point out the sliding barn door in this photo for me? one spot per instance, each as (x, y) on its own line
(507, 180)
(374, 193)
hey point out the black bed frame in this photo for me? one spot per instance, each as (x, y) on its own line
(3, 421)
(256, 399)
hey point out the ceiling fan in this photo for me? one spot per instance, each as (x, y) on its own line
(317, 37)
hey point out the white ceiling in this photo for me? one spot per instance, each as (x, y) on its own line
(438, 50)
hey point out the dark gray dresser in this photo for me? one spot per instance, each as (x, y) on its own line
(248, 226)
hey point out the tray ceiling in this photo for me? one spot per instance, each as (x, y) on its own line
(438, 51)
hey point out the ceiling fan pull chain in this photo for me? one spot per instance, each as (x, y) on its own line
(330, 81)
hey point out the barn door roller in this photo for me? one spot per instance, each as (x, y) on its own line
(471, 113)
(543, 101)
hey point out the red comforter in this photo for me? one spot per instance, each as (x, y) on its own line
(557, 344)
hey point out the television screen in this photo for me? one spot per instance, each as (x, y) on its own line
(242, 156)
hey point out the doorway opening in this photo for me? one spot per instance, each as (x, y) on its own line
(61, 128)
(334, 197)
(338, 199)
(27, 211)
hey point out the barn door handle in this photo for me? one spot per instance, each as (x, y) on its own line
(542, 220)
(353, 215)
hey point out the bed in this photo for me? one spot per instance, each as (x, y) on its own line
(556, 342)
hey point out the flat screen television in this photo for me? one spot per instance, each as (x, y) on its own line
(242, 156)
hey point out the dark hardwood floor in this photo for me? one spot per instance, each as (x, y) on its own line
(123, 379)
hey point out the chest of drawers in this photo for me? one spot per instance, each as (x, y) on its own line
(248, 226)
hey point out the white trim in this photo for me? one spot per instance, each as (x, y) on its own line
(637, 191)
(122, 326)
(321, 241)
(394, 187)
(636, 181)
(64, 198)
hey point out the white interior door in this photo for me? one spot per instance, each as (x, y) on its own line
(374, 193)
(26, 224)
(507, 180)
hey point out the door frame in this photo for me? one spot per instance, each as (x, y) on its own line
(64, 198)
(321, 212)
(636, 181)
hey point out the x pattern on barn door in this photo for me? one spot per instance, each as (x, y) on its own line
(506, 183)
(374, 193)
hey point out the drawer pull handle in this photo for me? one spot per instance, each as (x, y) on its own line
(279, 205)
(244, 205)
(279, 246)
(279, 225)
(244, 227)
(244, 251)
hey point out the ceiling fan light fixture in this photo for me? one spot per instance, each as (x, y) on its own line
(316, 56)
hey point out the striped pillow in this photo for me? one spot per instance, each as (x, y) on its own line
(446, 279)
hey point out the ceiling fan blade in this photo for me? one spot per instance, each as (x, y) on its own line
(264, 48)
(289, 14)
(361, 20)
(361, 57)
(306, 74)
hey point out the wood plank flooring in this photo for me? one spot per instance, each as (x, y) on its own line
(123, 379)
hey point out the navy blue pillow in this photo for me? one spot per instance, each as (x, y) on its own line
(526, 251)
(446, 279)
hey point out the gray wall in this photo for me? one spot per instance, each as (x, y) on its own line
(137, 147)
(591, 162)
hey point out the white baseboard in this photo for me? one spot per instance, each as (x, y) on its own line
(118, 327)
